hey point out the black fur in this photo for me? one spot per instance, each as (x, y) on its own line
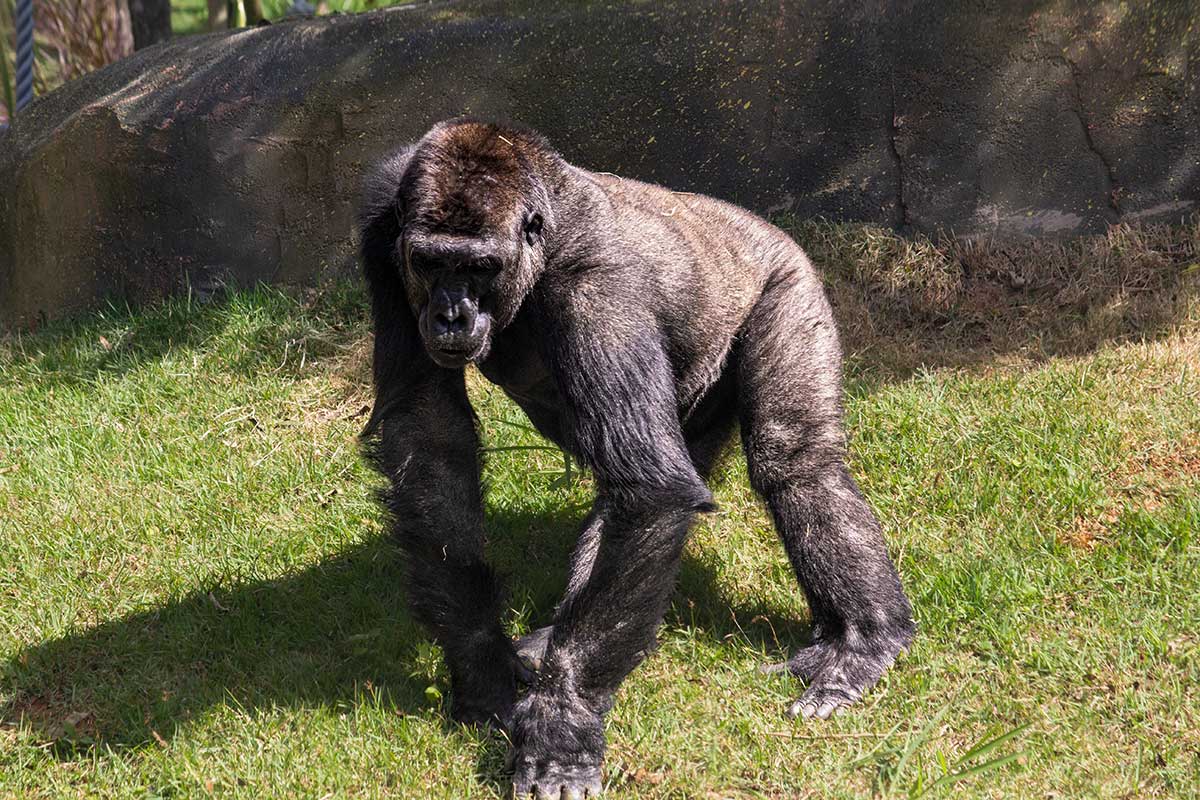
(635, 326)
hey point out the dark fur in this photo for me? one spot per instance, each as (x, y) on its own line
(635, 326)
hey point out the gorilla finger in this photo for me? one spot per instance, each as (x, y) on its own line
(800, 708)
(526, 674)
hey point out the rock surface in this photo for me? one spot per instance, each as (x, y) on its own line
(234, 158)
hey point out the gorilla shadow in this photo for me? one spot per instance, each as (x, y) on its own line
(306, 638)
(309, 638)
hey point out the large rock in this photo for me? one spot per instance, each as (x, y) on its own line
(235, 158)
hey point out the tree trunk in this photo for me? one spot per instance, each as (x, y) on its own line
(218, 15)
(254, 12)
(151, 21)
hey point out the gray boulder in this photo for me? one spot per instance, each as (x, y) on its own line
(234, 158)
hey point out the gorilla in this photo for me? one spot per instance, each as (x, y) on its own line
(637, 328)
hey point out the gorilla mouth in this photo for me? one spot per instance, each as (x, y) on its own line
(457, 356)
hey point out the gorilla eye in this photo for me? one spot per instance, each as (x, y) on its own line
(420, 265)
(486, 266)
(533, 228)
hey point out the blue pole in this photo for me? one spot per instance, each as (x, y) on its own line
(24, 22)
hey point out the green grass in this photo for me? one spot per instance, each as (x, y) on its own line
(196, 597)
(191, 16)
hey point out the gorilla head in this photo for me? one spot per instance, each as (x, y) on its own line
(474, 210)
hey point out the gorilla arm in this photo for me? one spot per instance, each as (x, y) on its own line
(617, 385)
(422, 438)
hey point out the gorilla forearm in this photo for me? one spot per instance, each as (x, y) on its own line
(606, 627)
(427, 447)
(601, 632)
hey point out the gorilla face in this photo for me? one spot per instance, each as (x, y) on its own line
(454, 299)
(465, 287)
(471, 245)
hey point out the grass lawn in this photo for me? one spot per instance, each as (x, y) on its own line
(196, 597)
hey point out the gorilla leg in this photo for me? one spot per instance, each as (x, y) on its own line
(706, 440)
(531, 647)
(790, 371)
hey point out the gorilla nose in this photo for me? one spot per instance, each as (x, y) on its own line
(454, 320)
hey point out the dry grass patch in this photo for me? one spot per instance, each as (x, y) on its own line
(903, 302)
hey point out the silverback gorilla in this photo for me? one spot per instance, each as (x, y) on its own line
(635, 326)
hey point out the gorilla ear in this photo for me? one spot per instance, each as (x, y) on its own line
(532, 228)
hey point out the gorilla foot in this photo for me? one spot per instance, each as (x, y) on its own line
(806, 664)
(823, 702)
(531, 648)
(558, 746)
(550, 781)
(837, 674)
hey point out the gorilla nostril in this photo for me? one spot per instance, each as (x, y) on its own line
(452, 320)
(466, 315)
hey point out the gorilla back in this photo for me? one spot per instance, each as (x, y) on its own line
(637, 327)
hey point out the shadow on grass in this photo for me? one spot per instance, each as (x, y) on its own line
(323, 636)
(319, 636)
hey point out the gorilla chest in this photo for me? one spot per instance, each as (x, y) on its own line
(517, 367)
(523, 377)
